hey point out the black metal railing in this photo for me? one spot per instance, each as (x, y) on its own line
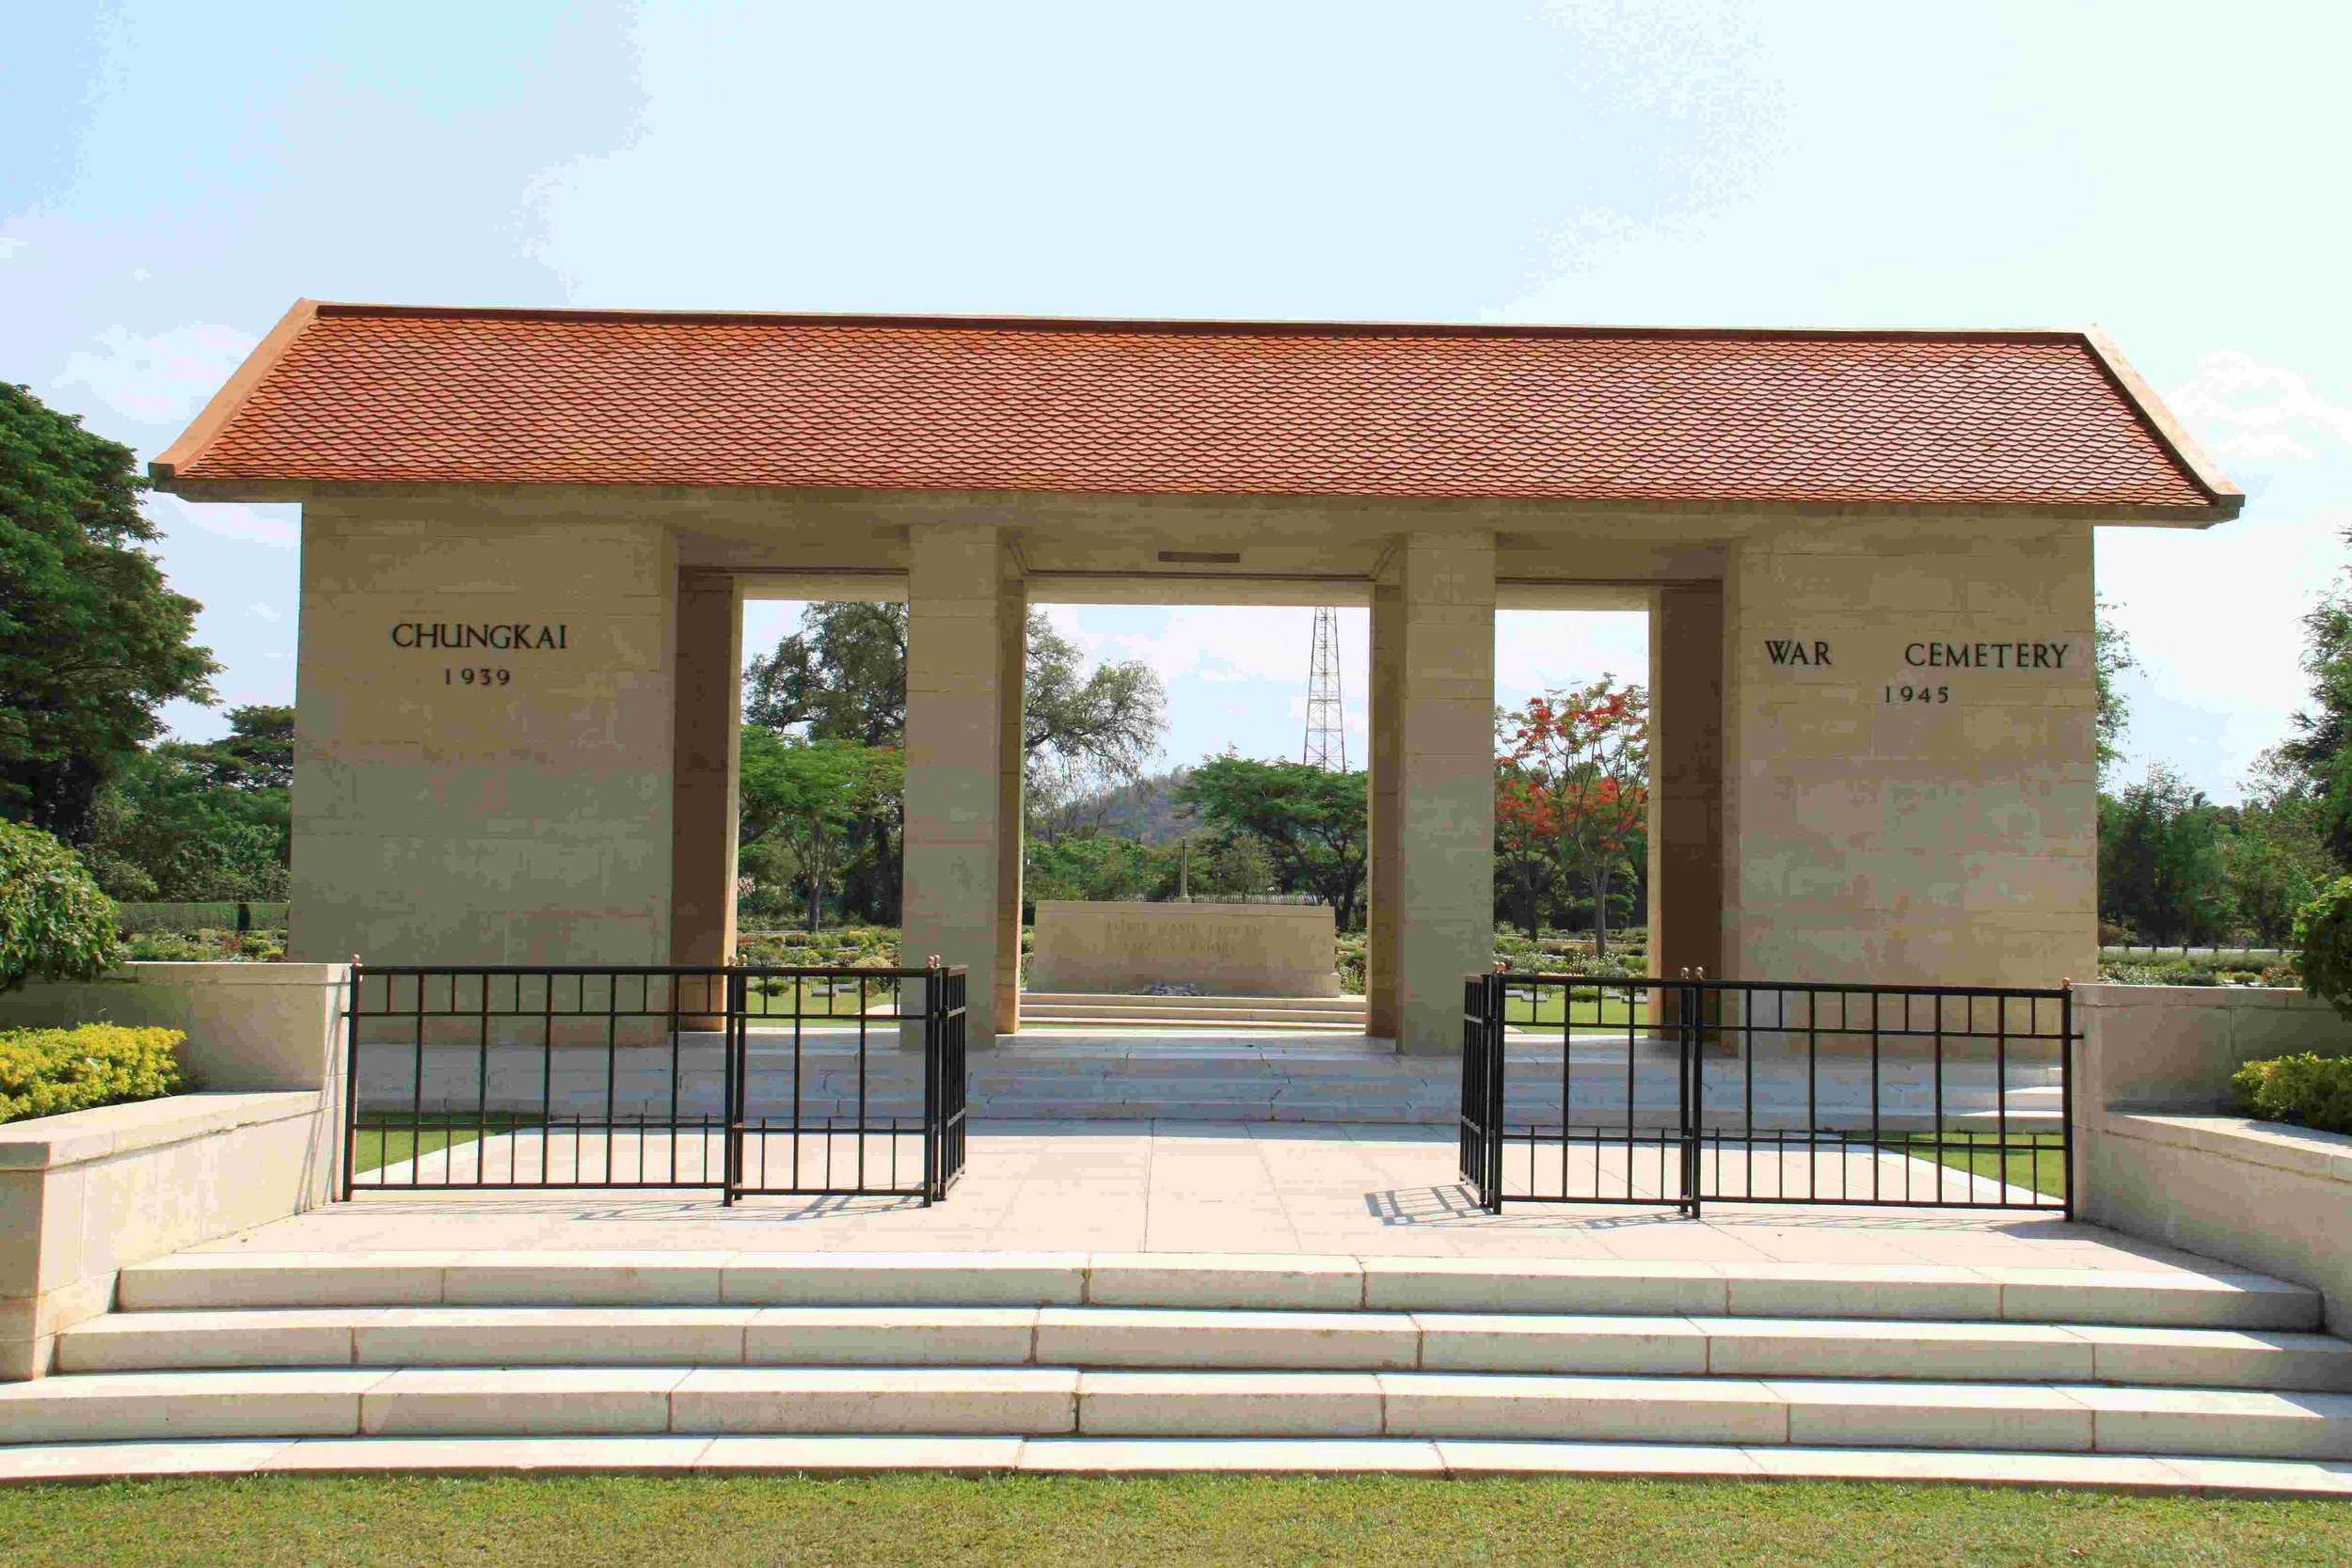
(1585, 1089)
(814, 1080)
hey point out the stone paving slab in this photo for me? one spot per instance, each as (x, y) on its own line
(1141, 1186)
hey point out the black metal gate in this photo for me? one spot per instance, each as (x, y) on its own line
(1587, 1090)
(746, 1081)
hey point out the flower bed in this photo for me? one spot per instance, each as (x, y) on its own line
(46, 1073)
(2305, 1090)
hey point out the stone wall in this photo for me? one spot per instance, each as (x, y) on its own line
(1950, 840)
(524, 816)
(83, 1193)
(1220, 949)
(2158, 1155)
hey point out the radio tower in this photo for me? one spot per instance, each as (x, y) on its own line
(1326, 732)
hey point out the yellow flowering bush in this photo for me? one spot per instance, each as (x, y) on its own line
(46, 1073)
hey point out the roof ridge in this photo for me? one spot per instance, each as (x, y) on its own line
(1203, 325)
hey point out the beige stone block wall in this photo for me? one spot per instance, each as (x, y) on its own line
(1383, 987)
(1444, 725)
(249, 1026)
(2158, 1155)
(2173, 1048)
(1012, 669)
(1224, 949)
(1871, 838)
(83, 1194)
(441, 822)
(956, 613)
(706, 816)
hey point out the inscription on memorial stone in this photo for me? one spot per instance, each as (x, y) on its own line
(2007, 654)
(496, 635)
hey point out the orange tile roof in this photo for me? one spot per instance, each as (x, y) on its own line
(386, 395)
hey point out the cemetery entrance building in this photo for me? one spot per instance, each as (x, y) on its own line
(527, 538)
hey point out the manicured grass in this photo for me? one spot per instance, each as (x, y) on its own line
(374, 1147)
(1603, 1008)
(570, 1521)
(2041, 1166)
(773, 1002)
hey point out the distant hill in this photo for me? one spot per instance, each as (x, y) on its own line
(1146, 810)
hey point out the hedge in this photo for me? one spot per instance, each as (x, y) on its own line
(46, 1073)
(136, 919)
(2309, 1090)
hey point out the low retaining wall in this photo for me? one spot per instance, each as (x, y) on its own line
(249, 1026)
(1222, 949)
(83, 1193)
(2159, 1155)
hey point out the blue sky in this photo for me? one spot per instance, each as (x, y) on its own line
(176, 175)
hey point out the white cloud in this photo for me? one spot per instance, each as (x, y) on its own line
(160, 379)
(2214, 620)
(261, 611)
(2241, 407)
(9, 247)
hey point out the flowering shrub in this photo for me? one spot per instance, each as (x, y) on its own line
(46, 1073)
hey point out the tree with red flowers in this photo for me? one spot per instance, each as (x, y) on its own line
(1577, 775)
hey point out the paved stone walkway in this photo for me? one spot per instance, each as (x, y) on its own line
(1194, 1187)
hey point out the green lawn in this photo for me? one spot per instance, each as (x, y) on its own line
(772, 1002)
(571, 1521)
(1593, 1010)
(374, 1147)
(2041, 1166)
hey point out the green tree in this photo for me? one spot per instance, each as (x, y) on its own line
(92, 642)
(1311, 821)
(2321, 747)
(799, 796)
(842, 677)
(201, 821)
(2274, 859)
(2110, 656)
(164, 830)
(2160, 860)
(1084, 728)
(1092, 866)
(257, 754)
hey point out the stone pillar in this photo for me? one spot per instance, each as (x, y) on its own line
(1445, 788)
(1012, 669)
(955, 738)
(1686, 803)
(456, 802)
(1380, 869)
(704, 814)
(1911, 752)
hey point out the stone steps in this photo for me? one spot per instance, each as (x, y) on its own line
(195, 1281)
(1114, 1011)
(1187, 1338)
(425, 1360)
(1037, 1400)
